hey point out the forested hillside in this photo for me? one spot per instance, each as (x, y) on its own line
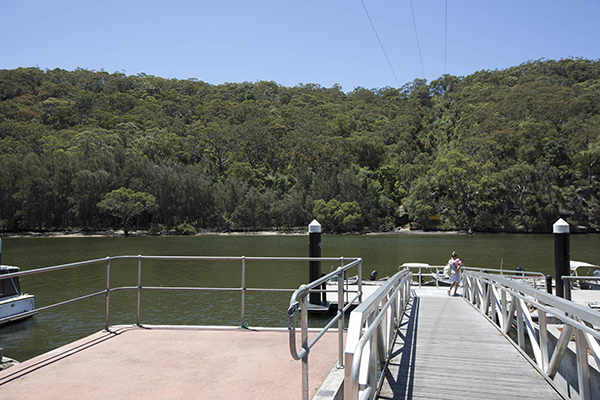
(507, 150)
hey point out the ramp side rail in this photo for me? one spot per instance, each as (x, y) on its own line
(298, 301)
(372, 330)
(507, 303)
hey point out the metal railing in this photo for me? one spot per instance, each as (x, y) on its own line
(372, 330)
(534, 279)
(298, 301)
(139, 288)
(505, 302)
(568, 280)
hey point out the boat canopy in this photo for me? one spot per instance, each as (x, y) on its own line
(9, 287)
(577, 266)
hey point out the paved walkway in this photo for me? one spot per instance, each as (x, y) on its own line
(447, 350)
(163, 363)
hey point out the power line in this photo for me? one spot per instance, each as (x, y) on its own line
(380, 44)
(417, 35)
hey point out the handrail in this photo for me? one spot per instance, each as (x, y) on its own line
(433, 271)
(568, 279)
(301, 294)
(499, 299)
(374, 322)
(139, 288)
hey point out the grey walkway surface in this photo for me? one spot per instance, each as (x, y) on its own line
(159, 363)
(447, 350)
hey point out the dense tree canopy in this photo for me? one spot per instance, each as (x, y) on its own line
(501, 150)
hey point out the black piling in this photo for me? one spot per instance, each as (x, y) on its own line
(314, 250)
(562, 254)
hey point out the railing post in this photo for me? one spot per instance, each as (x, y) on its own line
(107, 296)
(360, 299)
(341, 317)
(243, 305)
(520, 327)
(583, 369)
(566, 289)
(304, 328)
(139, 290)
(543, 335)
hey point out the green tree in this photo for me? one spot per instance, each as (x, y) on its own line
(336, 216)
(126, 204)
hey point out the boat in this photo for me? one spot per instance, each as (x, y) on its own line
(14, 304)
(580, 269)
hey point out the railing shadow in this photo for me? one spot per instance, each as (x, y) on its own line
(402, 360)
(54, 356)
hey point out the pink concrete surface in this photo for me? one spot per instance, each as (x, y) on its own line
(165, 363)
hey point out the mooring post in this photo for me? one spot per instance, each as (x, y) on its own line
(314, 250)
(549, 284)
(562, 255)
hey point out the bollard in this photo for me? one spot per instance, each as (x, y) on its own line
(567, 290)
(314, 250)
(562, 254)
(549, 284)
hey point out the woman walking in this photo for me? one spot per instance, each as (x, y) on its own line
(454, 280)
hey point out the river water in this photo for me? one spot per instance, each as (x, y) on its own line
(384, 253)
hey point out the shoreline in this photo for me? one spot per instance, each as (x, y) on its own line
(120, 233)
(292, 232)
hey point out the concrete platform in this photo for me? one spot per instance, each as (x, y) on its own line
(131, 362)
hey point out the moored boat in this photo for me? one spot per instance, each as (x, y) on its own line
(580, 269)
(14, 304)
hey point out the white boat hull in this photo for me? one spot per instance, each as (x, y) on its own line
(12, 308)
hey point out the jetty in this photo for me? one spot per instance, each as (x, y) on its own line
(497, 339)
(445, 349)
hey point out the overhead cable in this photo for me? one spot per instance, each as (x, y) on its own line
(380, 44)
(417, 35)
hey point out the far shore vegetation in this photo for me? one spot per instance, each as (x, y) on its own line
(497, 151)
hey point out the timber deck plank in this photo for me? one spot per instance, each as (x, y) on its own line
(446, 350)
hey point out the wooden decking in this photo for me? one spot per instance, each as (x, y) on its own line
(447, 350)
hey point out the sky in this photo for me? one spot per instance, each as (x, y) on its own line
(351, 43)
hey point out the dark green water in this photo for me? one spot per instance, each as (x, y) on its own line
(384, 253)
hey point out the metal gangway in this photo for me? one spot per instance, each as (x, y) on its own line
(501, 339)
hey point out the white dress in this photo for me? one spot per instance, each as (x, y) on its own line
(454, 277)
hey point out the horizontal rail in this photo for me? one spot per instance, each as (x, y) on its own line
(139, 287)
(169, 258)
(372, 330)
(580, 278)
(435, 271)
